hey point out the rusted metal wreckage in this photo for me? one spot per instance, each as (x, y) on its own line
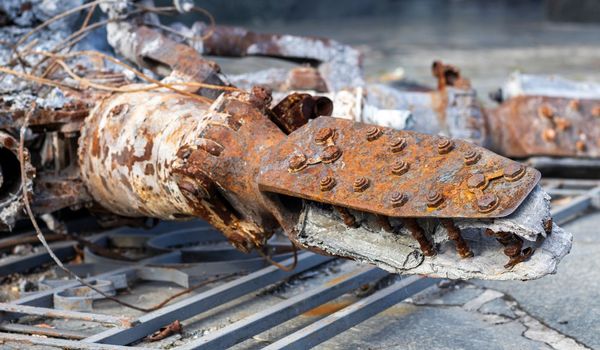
(406, 201)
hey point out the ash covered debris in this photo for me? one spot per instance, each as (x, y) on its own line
(194, 145)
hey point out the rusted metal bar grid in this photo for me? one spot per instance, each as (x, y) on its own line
(285, 310)
(204, 301)
(352, 315)
(243, 329)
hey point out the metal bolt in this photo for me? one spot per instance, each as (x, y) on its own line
(400, 167)
(549, 135)
(373, 133)
(574, 105)
(323, 135)
(398, 199)
(327, 183)
(331, 154)
(477, 180)
(360, 184)
(398, 144)
(487, 202)
(445, 146)
(514, 171)
(297, 162)
(562, 124)
(471, 157)
(546, 111)
(434, 199)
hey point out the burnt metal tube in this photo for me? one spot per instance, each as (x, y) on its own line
(169, 156)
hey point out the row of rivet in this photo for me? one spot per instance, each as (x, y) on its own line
(547, 111)
(486, 203)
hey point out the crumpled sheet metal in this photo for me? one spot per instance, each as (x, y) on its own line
(454, 112)
(339, 65)
(154, 51)
(527, 126)
(395, 173)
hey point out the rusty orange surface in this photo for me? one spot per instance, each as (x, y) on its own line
(395, 173)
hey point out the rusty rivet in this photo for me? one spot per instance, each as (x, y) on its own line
(580, 145)
(434, 199)
(398, 199)
(549, 135)
(596, 111)
(331, 154)
(574, 105)
(445, 146)
(373, 133)
(297, 162)
(546, 111)
(477, 180)
(471, 157)
(323, 135)
(327, 183)
(360, 184)
(487, 203)
(400, 167)
(514, 171)
(398, 144)
(562, 124)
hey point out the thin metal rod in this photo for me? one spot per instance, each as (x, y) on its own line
(68, 314)
(28, 340)
(51, 332)
(352, 315)
(285, 310)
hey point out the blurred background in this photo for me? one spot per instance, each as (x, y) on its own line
(487, 39)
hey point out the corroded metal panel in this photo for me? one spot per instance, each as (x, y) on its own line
(395, 173)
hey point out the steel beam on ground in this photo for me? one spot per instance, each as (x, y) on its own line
(575, 207)
(66, 314)
(20, 264)
(28, 340)
(285, 310)
(352, 315)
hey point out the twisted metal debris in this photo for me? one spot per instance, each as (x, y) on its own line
(406, 201)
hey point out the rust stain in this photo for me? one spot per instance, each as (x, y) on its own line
(328, 309)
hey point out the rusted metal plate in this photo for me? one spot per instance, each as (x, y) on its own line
(526, 126)
(395, 173)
